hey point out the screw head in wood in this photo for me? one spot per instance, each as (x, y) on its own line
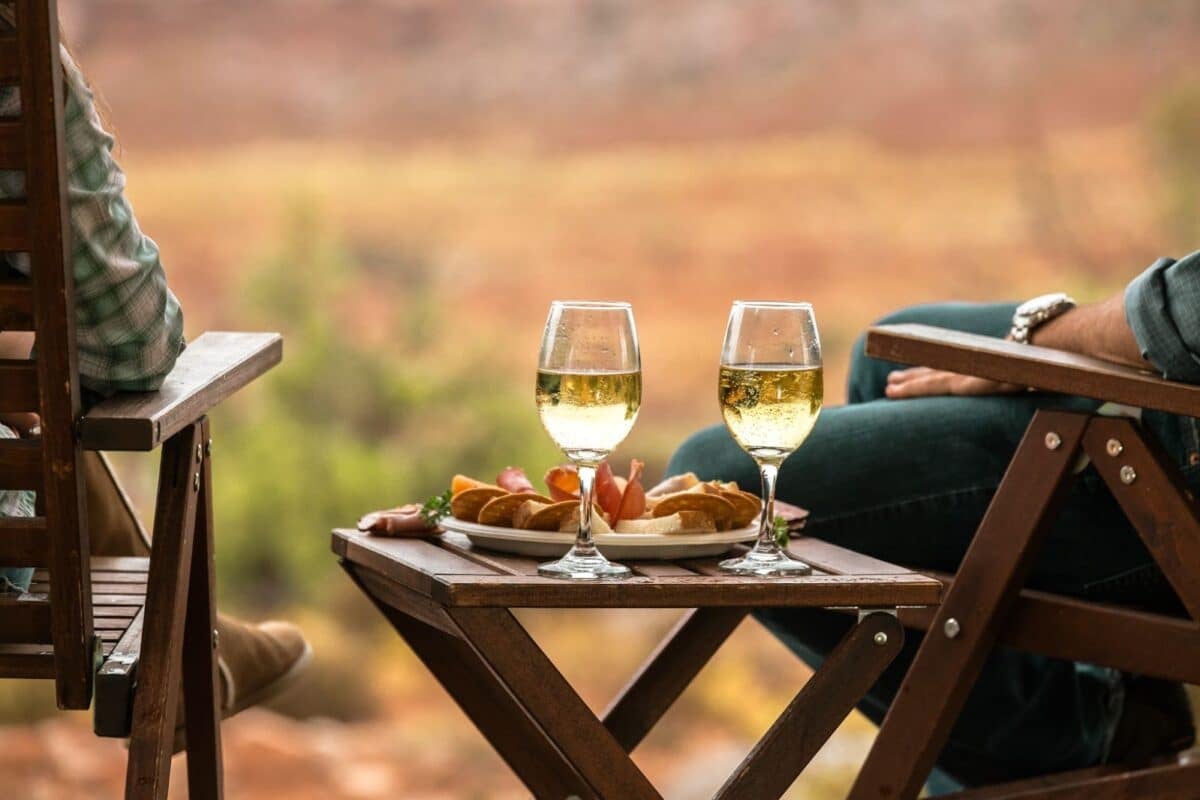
(1053, 441)
(216, 638)
(1128, 475)
(199, 453)
(196, 482)
(951, 628)
(1114, 447)
(208, 447)
(881, 638)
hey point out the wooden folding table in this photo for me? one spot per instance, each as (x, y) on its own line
(452, 604)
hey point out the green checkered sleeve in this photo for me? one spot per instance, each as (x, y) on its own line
(129, 326)
(1162, 305)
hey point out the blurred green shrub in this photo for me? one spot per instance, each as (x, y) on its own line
(347, 424)
(24, 702)
(1174, 136)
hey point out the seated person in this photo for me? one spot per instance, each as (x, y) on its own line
(129, 331)
(904, 473)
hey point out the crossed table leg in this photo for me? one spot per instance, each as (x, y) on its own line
(554, 743)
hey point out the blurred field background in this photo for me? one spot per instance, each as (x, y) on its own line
(401, 187)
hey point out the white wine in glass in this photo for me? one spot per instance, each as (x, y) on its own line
(589, 390)
(770, 389)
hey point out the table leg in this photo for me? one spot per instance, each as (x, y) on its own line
(537, 684)
(517, 738)
(815, 713)
(668, 671)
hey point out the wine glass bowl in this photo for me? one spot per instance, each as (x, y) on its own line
(589, 390)
(770, 388)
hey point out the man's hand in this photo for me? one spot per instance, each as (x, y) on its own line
(926, 382)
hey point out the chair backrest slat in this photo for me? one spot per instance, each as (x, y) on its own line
(16, 305)
(21, 465)
(12, 141)
(25, 542)
(15, 227)
(25, 619)
(10, 58)
(38, 225)
(18, 385)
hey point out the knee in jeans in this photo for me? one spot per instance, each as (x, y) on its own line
(862, 376)
(689, 456)
(917, 313)
(858, 360)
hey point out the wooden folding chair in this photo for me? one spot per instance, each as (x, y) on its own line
(121, 628)
(986, 603)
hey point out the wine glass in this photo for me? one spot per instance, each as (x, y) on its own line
(770, 392)
(589, 389)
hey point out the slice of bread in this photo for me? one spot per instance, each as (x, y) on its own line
(536, 516)
(680, 521)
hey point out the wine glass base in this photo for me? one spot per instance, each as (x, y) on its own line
(766, 564)
(583, 568)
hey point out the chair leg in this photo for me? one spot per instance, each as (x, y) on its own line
(201, 677)
(153, 731)
(965, 627)
(1154, 497)
(1175, 779)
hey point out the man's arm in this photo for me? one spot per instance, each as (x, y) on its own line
(1154, 323)
(1097, 329)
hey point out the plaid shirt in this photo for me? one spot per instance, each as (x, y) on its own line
(1163, 308)
(129, 327)
(128, 324)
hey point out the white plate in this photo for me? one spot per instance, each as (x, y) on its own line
(617, 546)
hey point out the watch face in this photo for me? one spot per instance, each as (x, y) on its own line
(1032, 306)
(1043, 303)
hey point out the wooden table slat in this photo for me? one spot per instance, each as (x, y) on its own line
(712, 566)
(698, 591)
(658, 569)
(498, 562)
(835, 560)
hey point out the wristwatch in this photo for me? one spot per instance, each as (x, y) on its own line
(1038, 311)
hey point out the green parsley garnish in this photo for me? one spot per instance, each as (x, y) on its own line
(782, 535)
(436, 507)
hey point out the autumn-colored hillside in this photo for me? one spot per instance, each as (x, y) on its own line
(922, 73)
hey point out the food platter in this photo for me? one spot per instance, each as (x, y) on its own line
(631, 546)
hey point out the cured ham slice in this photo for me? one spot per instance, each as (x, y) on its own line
(515, 480)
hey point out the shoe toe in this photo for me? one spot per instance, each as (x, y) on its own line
(260, 659)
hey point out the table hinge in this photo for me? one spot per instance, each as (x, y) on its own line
(863, 612)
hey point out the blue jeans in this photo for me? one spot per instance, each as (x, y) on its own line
(908, 481)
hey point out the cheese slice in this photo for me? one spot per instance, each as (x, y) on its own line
(680, 521)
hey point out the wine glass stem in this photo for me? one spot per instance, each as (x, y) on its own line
(583, 540)
(766, 523)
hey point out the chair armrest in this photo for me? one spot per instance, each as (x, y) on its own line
(1029, 365)
(210, 369)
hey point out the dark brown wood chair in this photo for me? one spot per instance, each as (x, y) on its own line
(986, 602)
(122, 629)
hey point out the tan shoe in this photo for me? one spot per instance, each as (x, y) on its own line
(257, 662)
